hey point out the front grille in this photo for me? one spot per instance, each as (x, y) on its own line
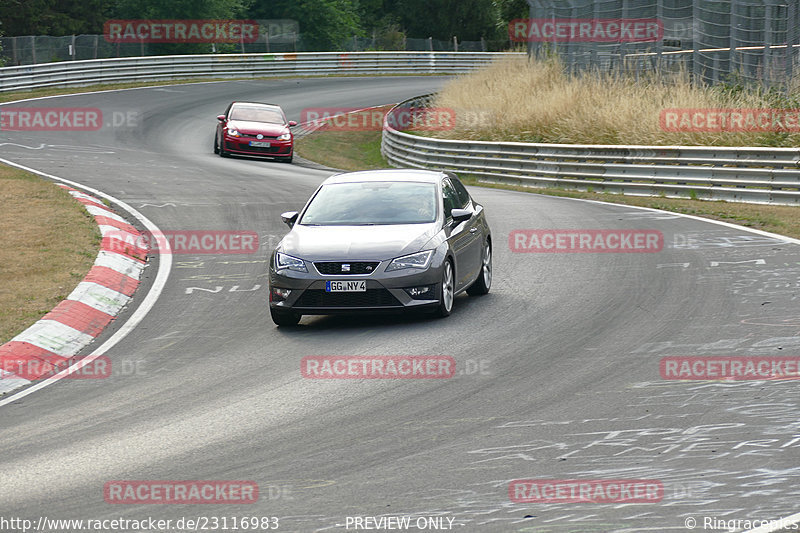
(369, 298)
(255, 136)
(257, 149)
(332, 268)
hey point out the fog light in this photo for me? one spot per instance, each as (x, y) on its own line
(279, 294)
(425, 292)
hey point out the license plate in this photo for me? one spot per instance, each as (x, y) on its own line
(346, 286)
(259, 144)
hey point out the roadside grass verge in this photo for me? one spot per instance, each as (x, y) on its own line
(345, 150)
(56, 91)
(536, 101)
(348, 142)
(361, 150)
(49, 244)
(60, 91)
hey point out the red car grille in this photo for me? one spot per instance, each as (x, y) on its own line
(257, 149)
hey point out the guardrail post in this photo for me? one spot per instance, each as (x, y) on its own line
(660, 42)
(766, 69)
(791, 40)
(733, 45)
(695, 47)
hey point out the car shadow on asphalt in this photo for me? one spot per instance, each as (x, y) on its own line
(464, 305)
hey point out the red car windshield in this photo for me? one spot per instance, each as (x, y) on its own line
(256, 114)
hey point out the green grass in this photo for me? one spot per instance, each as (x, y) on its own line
(49, 244)
(356, 150)
(58, 91)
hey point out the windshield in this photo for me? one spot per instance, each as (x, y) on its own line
(256, 114)
(366, 203)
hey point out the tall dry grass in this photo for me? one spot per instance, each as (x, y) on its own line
(515, 99)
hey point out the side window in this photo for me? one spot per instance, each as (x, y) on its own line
(449, 196)
(463, 195)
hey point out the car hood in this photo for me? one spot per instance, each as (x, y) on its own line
(354, 243)
(254, 128)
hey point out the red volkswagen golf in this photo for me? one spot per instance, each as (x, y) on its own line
(255, 129)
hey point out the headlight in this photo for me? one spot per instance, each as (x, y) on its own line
(233, 133)
(283, 262)
(418, 260)
(285, 137)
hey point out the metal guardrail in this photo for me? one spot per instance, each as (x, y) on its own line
(159, 68)
(753, 175)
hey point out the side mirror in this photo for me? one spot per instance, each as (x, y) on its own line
(292, 123)
(460, 215)
(289, 218)
(221, 118)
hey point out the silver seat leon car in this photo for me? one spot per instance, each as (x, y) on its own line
(381, 240)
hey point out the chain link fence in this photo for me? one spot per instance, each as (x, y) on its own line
(733, 40)
(31, 50)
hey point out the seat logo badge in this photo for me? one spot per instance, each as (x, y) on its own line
(345, 267)
(259, 136)
(369, 268)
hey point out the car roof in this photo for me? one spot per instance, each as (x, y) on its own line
(258, 104)
(394, 174)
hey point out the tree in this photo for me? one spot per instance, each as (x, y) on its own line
(442, 19)
(324, 24)
(54, 17)
(508, 10)
(180, 9)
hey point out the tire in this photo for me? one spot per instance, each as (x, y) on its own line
(448, 290)
(287, 159)
(216, 145)
(484, 282)
(284, 318)
(222, 152)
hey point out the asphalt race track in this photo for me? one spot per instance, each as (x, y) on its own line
(557, 368)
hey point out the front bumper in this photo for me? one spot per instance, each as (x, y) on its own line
(238, 145)
(386, 291)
